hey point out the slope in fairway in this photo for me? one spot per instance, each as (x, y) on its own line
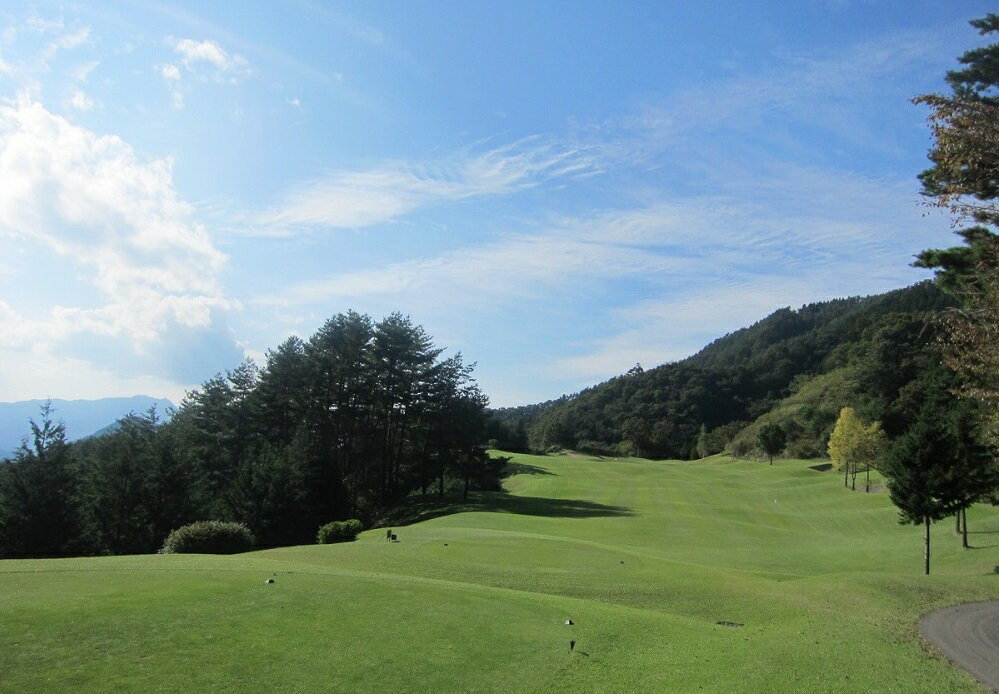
(706, 576)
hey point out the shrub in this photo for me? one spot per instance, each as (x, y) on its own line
(804, 448)
(338, 531)
(596, 447)
(209, 537)
(740, 448)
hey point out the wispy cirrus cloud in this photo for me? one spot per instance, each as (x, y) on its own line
(803, 84)
(67, 40)
(516, 267)
(832, 220)
(722, 259)
(361, 198)
(48, 40)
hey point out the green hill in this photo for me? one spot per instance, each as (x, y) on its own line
(688, 409)
(716, 576)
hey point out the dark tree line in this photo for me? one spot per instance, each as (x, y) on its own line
(346, 424)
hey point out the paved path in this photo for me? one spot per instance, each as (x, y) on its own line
(969, 635)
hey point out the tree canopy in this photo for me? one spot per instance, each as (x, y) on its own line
(853, 445)
(346, 424)
(771, 439)
(964, 179)
(937, 467)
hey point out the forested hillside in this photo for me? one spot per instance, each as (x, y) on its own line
(797, 366)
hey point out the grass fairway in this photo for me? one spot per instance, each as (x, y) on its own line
(646, 557)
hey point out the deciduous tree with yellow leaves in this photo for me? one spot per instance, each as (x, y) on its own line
(855, 446)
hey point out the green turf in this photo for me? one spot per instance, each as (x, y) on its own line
(645, 557)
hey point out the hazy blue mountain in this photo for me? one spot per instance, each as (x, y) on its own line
(81, 417)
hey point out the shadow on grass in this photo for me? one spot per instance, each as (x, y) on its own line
(821, 467)
(512, 469)
(424, 508)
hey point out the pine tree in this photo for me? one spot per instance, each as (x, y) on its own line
(964, 179)
(936, 466)
(39, 516)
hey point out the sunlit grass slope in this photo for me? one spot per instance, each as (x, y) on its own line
(647, 558)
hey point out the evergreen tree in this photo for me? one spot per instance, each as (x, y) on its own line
(118, 480)
(281, 392)
(39, 516)
(937, 466)
(964, 179)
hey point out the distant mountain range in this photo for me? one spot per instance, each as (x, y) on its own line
(81, 417)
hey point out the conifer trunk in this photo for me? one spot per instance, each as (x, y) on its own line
(926, 545)
(964, 527)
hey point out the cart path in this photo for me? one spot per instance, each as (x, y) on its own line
(969, 636)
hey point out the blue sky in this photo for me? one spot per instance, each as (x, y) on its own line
(557, 190)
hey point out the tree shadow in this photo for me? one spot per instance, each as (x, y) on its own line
(426, 508)
(821, 467)
(512, 469)
(501, 502)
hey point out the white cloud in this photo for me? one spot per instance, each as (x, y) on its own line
(170, 72)
(79, 100)
(835, 222)
(73, 38)
(351, 199)
(65, 40)
(81, 73)
(93, 200)
(197, 54)
(472, 275)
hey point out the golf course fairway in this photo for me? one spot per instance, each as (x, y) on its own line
(707, 576)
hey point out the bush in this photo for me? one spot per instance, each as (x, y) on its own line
(805, 449)
(338, 531)
(596, 447)
(740, 448)
(209, 537)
